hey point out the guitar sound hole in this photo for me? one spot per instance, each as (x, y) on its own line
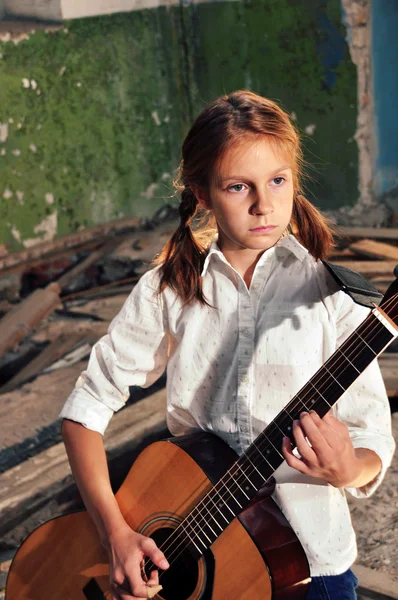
(179, 581)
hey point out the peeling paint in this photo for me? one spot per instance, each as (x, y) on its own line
(16, 234)
(48, 227)
(155, 117)
(3, 132)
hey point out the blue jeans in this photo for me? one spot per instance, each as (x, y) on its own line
(334, 587)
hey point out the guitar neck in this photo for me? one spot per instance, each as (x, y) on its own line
(258, 463)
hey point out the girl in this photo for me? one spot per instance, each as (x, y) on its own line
(242, 313)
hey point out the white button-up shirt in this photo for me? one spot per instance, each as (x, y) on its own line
(233, 365)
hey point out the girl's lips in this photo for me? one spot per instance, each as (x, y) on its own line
(263, 229)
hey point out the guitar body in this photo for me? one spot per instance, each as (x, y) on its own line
(257, 557)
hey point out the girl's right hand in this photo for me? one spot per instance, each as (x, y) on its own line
(127, 550)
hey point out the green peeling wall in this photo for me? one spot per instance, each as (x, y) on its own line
(93, 114)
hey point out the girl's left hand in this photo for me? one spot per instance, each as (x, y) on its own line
(328, 454)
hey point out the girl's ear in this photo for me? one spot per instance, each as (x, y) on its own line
(201, 196)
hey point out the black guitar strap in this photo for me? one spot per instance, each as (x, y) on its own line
(355, 285)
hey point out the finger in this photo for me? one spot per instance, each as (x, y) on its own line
(152, 551)
(333, 423)
(332, 429)
(153, 578)
(134, 586)
(312, 431)
(291, 459)
(306, 452)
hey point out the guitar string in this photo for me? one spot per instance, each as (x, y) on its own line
(232, 471)
(231, 475)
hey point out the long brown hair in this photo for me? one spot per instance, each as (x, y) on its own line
(226, 121)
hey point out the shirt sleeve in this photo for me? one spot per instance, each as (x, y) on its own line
(364, 408)
(134, 352)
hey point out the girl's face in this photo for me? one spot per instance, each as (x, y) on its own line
(251, 195)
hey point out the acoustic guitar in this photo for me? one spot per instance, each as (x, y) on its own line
(207, 509)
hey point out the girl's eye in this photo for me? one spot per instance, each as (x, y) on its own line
(235, 186)
(278, 180)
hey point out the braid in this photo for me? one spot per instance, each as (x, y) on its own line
(182, 258)
(188, 206)
(312, 228)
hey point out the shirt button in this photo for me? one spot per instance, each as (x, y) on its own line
(245, 379)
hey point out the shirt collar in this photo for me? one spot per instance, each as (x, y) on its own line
(289, 242)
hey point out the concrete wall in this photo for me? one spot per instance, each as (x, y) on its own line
(48, 10)
(385, 98)
(93, 115)
(58, 10)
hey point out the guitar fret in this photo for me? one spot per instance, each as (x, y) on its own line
(281, 455)
(222, 503)
(221, 513)
(275, 423)
(365, 342)
(243, 492)
(247, 457)
(347, 359)
(325, 367)
(321, 395)
(298, 398)
(239, 467)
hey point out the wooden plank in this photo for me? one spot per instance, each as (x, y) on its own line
(22, 319)
(107, 248)
(376, 233)
(68, 241)
(369, 267)
(115, 288)
(388, 357)
(375, 249)
(49, 355)
(344, 254)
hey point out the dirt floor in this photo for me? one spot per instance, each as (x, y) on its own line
(375, 521)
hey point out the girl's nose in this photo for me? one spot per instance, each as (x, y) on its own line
(262, 204)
